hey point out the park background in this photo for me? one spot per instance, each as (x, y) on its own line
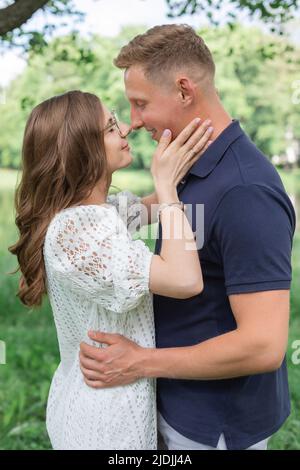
(258, 77)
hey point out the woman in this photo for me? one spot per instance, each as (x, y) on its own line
(74, 246)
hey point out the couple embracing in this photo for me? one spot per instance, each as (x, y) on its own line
(183, 348)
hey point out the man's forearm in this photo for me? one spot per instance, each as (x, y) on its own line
(148, 202)
(226, 356)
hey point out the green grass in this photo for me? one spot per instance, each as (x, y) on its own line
(32, 350)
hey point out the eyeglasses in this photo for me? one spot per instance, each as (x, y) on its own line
(114, 122)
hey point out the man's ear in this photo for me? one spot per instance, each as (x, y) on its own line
(186, 91)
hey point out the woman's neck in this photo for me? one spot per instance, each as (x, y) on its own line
(99, 194)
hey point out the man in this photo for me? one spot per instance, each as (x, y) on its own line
(220, 357)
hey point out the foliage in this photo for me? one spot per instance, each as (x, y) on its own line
(256, 73)
(14, 16)
(274, 12)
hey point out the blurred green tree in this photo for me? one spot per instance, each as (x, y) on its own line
(255, 76)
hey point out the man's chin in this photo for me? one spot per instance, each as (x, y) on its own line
(155, 136)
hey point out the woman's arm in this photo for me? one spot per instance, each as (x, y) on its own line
(176, 271)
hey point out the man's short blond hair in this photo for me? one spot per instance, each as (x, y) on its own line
(167, 48)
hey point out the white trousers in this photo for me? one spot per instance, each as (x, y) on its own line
(173, 440)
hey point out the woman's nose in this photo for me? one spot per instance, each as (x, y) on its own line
(125, 129)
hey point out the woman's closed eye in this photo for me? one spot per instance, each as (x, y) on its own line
(112, 127)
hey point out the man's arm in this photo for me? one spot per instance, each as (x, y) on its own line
(257, 345)
(150, 202)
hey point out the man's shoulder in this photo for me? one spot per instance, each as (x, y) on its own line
(254, 166)
(254, 204)
(245, 169)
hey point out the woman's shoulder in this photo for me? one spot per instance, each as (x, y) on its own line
(85, 213)
(93, 220)
(95, 209)
(82, 228)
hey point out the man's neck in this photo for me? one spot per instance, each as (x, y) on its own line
(213, 109)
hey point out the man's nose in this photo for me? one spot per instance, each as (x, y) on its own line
(136, 120)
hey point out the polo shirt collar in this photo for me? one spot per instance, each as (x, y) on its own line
(209, 160)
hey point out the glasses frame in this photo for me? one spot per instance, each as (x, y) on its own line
(115, 122)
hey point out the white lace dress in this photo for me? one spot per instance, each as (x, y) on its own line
(98, 278)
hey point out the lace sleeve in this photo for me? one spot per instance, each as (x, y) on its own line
(129, 207)
(92, 254)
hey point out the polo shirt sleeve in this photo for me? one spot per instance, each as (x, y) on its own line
(254, 227)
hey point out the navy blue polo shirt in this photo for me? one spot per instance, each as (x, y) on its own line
(249, 223)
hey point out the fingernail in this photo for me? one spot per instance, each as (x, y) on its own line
(208, 122)
(210, 129)
(166, 132)
(197, 120)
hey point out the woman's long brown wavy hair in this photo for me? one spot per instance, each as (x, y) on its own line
(63, 158)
